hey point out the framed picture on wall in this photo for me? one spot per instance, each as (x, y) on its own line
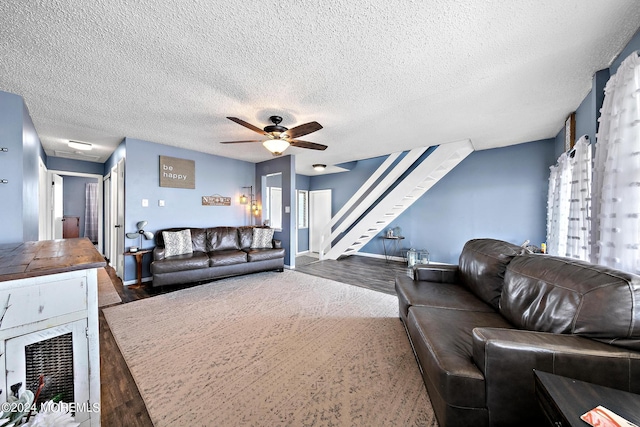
(570, 132)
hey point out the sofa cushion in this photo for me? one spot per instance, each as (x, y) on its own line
(442, 339)
(435, 294)
(262, 238)
(199, 239)
(264, 254)
(177, 242)
(227, 257)
(482, 265)
(246, 236)
(222, 238)
(175, 263)
(561, 295)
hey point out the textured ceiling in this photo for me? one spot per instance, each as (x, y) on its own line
(380, 76)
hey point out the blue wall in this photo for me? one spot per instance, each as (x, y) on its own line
(302, 183)
(183, 207)
(31, 151)
(72, 165)
(499, 193)
(19, 166)
(632, 46)
(11, 167)
(343, 185)
(119, 153)
(287, 166)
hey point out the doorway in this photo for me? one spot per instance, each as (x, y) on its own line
(56, 194)
(319, 218)
(114, 217)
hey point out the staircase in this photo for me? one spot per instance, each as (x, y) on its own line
(395, 186)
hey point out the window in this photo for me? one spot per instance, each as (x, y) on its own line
(302, 209)
(275, 207)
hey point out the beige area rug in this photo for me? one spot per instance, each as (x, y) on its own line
(272, 349)
(107, 294)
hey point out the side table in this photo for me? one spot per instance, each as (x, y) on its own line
(138, 256)
(394, 243)
(563, 400)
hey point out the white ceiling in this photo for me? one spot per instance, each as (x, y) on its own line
(380, 76)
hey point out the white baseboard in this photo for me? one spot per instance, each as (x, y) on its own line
(135, 281)
(379, 256)
(397, 258)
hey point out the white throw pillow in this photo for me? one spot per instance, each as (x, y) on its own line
(177, 242)
(262, 238)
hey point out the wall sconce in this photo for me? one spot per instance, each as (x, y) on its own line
(243, 199)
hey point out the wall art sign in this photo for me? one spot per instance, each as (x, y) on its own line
(177, 173)
(216, 200)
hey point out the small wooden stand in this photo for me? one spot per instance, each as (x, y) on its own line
(139, 254)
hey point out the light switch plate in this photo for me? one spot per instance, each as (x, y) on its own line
(287, 209)
(145, 203)
(161, 203)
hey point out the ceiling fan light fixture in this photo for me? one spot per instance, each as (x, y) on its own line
(276, 146)
(319, 167)
(84, 146)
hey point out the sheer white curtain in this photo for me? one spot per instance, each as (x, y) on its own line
(558, 206)
(579, 221)
(616, 192)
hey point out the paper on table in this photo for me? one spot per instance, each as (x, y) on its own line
(602, 417)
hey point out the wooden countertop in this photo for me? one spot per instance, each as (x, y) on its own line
(31, 259)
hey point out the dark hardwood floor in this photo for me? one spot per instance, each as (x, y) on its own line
(122, 404)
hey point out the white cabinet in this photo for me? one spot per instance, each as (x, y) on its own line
(49, 326)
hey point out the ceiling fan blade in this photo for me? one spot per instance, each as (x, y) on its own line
(247, 125)
(304, 129)
(236, 142)
(306, 144)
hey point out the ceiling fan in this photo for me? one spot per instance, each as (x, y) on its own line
(280, 137)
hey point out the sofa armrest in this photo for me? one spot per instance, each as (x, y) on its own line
(158, 253)
(277, 244)
(436, 273)
(507, 358)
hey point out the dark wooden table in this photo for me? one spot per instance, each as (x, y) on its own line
(32, 259)
(139, 254)
(564, 400)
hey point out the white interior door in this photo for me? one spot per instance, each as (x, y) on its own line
(57, 202)
(319, 216)
(119, 223)
(107, 216)
(43, 218)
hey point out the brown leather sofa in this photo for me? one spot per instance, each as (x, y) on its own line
(479, 329)
(217, 252)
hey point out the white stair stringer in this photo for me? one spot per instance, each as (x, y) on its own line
(352, 210)
(440, 162)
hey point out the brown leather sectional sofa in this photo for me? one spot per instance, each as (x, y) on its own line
(479, 329)
(217, 252)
